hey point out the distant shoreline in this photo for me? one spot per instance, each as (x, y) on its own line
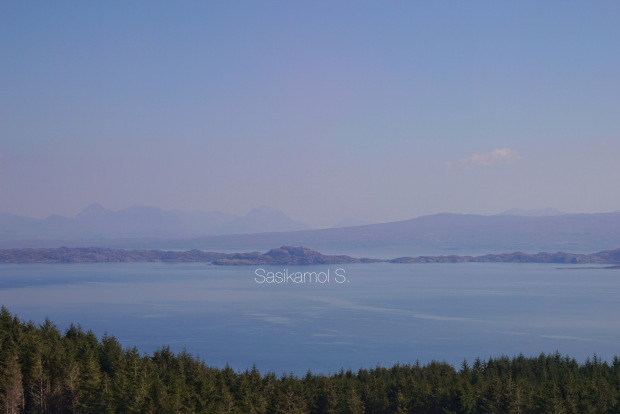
(285, 255)
(589, 267)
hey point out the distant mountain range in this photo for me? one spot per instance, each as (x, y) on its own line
(438, 234)
(97, 223)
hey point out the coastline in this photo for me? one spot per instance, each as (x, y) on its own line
(285, 255)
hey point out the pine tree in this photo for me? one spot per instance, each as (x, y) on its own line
(11, 389)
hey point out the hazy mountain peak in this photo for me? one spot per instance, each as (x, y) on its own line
(93, 210)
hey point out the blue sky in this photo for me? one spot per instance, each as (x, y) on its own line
(378, 111)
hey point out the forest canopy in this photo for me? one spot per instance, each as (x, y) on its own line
(44, 370)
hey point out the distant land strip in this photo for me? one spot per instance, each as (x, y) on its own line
(285, 255)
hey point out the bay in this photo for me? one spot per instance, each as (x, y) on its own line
(381, 314)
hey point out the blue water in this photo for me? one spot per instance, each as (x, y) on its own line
(382, 314)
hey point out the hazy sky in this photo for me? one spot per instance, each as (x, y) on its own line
(378, 111)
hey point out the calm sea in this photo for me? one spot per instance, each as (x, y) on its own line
(381, 314)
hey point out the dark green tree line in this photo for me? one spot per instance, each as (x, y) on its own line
(45, 371)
